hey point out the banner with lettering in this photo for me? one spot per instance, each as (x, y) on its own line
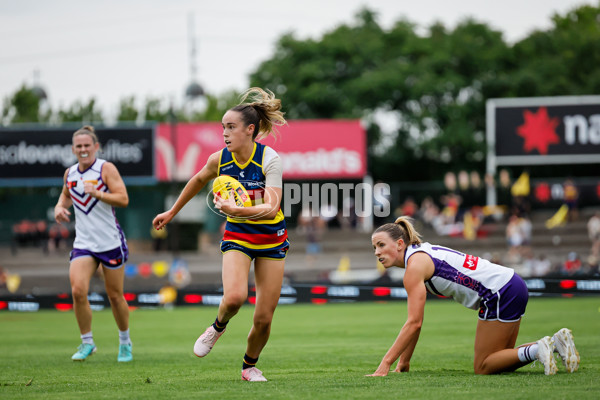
(40, 155)
(544, 130)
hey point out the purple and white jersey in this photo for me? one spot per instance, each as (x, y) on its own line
(96, 225)
(465, 278)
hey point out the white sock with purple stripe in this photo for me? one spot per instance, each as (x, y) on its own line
(87, 338)
(124, 337)
(528, 353)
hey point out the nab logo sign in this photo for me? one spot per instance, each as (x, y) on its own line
(565, 129)
(539, 130)
(582, 130)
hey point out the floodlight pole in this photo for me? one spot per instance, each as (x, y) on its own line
(174, 223)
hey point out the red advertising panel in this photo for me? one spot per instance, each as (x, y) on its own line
(309, 149)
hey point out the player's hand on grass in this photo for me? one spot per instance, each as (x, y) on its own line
(402, 367)
(382, 370)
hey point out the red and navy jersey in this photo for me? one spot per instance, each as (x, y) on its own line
(252, 233)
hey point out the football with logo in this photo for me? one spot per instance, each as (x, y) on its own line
(226, 186)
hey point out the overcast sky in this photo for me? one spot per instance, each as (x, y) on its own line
(111, 49)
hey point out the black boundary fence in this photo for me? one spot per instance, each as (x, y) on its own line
(297, 293)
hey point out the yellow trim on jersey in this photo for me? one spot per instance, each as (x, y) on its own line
(278, 218)
(247, 162)
(239, 251)
(227, 163)
(255, 246)
(272, 258)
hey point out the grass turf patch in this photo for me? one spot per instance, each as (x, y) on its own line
(316, 352)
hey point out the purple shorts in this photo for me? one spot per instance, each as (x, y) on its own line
(506, 305)
(114, 258)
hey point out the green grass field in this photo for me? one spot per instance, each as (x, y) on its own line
(315, 352)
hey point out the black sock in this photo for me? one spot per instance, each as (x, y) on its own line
(249, 362)
(219, 326)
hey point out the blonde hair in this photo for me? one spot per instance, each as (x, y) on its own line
(263, 110)
(403, 229)
(87, 130)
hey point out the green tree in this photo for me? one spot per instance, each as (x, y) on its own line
(215, 107)
(430, 84)
(155, 109)
(563, 60)
(433, 85)
(85, 113)
(24, 106)
(127, 110)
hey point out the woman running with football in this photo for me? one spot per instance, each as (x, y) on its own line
(94, 188)
(257, 232)
(499, 294)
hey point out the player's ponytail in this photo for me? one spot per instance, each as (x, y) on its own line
(403, 229)
(262, 109)
(413, 237)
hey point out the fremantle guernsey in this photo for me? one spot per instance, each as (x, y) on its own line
(96, 225)
(252, 233)
(465, 278)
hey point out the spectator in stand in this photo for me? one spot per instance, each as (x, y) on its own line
(448, 223)
(429, 211)
(515, 238)
(527, 229)
(3, 277)
(331, 215)
(381, 201)
(159, 239)
(520, 191)
(571, 195)
(312, 226)
(528, 266)
(472, 220)
(349, 219)
(573, 264)
(409, 207)
(477, 189)
(41, 235)
(542, 266)
(504, 186)
(23, 232)
(593, 227)
(593, 264)
(57, 236)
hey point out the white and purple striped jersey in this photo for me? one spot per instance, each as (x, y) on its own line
(465, 278)
(96, 225)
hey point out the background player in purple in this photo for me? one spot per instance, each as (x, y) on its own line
(499, 294)
(94, 187)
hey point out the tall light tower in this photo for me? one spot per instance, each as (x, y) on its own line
(194, 90)
(37, 89)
